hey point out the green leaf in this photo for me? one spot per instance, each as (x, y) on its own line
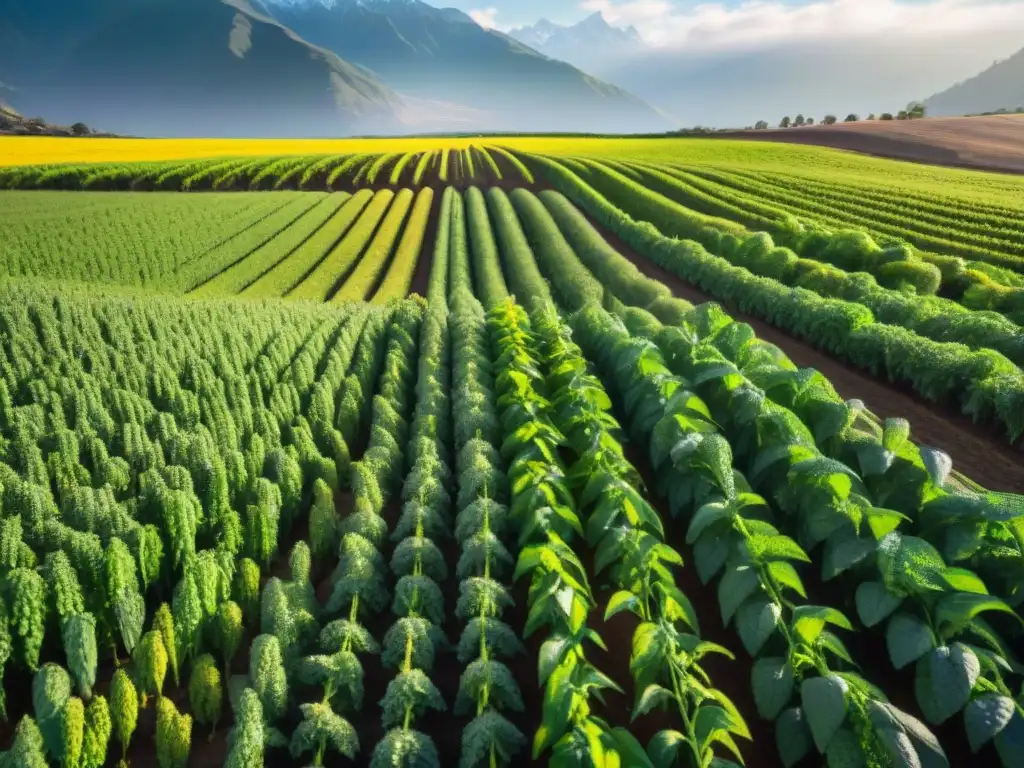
(910, 565)
(943, 681)
(963, 580)
(1010, 742)
(738, 724)
(756, 620)
(668, 555)
(809, 620)
(707, 516)
(924, 748)
(664, 746)
(630, 752)
(653, 696)
(830, 642)
(771, 548)
(619, 602)
(875, 602)
(792, 737)
(552, 651)
(908, 639)
(648, 651)
(956, 610)
(709, 720)
(900, 748)
(677, 606)
(736, 586)
(786, 576)
(841, 554)
(772, 681)
(845, 751)
(823, 700)
(709, 555)
(986, 717)
(882, 522)
(558, 703)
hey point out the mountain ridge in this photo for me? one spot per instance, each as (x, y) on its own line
(183, 67)
(444, 55)
(1001, 86)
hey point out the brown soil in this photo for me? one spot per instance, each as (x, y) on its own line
(977, 452)
(991, 143)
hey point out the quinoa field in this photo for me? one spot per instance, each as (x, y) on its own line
(508, 451)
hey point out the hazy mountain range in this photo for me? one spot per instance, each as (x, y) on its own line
(737, 86)
(235, 67)
(306, 68)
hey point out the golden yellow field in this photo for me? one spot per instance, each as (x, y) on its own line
(40, 150)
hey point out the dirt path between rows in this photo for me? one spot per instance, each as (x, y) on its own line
(977, 452)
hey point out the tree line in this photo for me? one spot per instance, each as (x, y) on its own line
(915, 110)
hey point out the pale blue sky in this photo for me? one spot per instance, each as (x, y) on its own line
(740, 23)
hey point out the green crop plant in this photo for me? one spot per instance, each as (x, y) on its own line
(542, 513)
(628, 539)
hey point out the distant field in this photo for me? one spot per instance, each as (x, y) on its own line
(990, 142)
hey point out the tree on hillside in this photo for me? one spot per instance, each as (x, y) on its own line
(80, 129)
(810, 121)
(785, 123)
(829, 120)
(916, 110)
(851, 118)
(903, 115)
(871, 116)
(886, 116)
(760, 125)
(799, 120)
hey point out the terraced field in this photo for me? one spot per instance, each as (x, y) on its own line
(577, 453)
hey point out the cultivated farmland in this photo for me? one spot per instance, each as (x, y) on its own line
(568, 452)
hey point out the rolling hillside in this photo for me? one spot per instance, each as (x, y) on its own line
(182, 67)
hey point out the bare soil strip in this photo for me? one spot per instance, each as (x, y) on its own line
(989, 143)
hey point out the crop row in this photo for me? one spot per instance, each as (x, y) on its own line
(988, 385)
(944, 228)
(298, 172)
(983, 285)
(931, 633)
(985, 269)
(243, 273)
(836, 271)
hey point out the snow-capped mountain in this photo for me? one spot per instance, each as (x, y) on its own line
(591, 44)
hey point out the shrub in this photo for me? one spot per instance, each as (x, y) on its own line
(924, 278)
(151, 665)
(163, 622)
(204, 691)
(173, 735)
(124, 708)
(229, 631)
(268, 678)
(97, 733)
(73, 732)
